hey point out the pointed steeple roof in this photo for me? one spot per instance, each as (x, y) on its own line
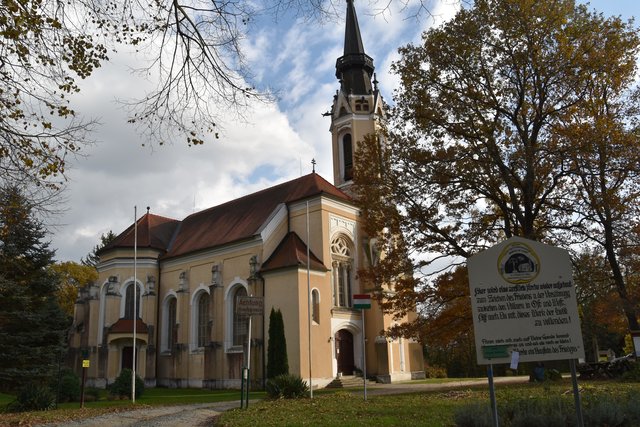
(352, 38)
(355, 68)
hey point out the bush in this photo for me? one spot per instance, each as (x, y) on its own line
(68, 388)
(605, 412)
(474, 415)
(122, 385)
(287, 386)
(552, 375)
(33, 397)
(598, 410)
(633, 374)
(91, 394)
(435, 372)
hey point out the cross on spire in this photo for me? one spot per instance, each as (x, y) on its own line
(313, 165)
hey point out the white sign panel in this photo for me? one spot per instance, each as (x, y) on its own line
(250, 306)
(523, 300)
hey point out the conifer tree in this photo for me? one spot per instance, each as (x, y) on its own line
(277, 361)
(32, 324)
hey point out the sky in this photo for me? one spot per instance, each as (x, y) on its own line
(276, 142)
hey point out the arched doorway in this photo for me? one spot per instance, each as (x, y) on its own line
(127, 358)
(344, 351)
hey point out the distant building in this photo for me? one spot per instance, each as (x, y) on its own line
(190, 272)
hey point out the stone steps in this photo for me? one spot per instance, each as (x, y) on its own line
(348, 381)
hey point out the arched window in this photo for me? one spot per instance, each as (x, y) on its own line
(315, 306)
(172, 308)
(203, 320)
(169, 323)
(240, 322)
(342, 263)
(347, 156)
(128, 304)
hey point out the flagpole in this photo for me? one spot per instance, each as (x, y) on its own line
(309, 304)
(135, 302)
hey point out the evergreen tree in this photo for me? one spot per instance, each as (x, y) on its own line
(277, 361)
(92, 259)
(32, 324)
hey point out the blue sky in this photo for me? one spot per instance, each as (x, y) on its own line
(274, 143)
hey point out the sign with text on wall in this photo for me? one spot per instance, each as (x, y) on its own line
(523, 300)
(250, 306)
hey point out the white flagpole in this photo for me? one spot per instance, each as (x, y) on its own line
(309, 304)
(135, 302)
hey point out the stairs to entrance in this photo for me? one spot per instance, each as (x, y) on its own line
(347, 381)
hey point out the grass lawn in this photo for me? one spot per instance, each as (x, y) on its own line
(150, 397)
(341, 408)
(434, 408)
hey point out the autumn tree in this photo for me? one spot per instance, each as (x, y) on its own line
(605, 162)
(602, 319)
(479, 147)
(71, 277)
(32, 324)
(193, 50)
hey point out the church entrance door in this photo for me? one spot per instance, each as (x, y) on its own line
(127, 358)
(344, 351)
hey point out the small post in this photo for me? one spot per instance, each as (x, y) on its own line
(576, 393)
(364, 356)
(242, 389)
(84, 378)
(492, 395)
(248, 362)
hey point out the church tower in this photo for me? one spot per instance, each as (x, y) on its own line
(357, 106)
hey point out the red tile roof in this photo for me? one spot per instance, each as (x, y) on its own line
(154, 231)
(236, 220)
(242, 218)
(125, 326)
(292, 252)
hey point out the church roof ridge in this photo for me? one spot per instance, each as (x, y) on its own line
(235, 220)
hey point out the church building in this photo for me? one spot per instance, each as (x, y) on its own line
(297, 245)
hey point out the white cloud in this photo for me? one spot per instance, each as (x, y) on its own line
(275, 144)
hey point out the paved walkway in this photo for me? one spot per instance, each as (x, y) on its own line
(203, 414)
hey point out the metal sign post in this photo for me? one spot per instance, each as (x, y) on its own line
(363, 302)
(248, 306)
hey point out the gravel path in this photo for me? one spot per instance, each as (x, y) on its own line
(203, 414)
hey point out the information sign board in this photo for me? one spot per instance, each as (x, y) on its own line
(250, 306)
(523, 300)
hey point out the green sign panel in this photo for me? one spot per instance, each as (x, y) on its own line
(495, 351)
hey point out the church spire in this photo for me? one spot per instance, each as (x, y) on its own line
(355, 68)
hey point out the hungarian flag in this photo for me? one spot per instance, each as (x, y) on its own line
(361, 301)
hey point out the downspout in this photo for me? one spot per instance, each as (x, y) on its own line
(286, 205)
(264, 341)
(157, 334)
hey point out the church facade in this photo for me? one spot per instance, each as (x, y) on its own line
(297, 245)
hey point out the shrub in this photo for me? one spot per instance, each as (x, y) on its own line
(33, 397)
(91, 394)
(277, 361)
(633, 374)
(287, 386)
(435, 372)
(122, 385)
(474, 415)
(604, 412)
(552, 375)
(68, 387)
